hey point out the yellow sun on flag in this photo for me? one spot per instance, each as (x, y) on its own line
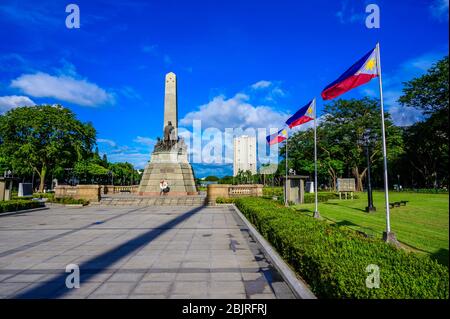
(310, 110)
(370, 64)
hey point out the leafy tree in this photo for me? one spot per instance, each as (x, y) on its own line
(339, 138)
(211, 178)
(226, 180)
(426, 142)
(42, 138)
(429, 92)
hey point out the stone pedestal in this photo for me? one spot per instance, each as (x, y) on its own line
(295, 186)
(174, 168)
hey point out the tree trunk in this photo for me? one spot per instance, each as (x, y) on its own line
(42, 177)
(359, 178)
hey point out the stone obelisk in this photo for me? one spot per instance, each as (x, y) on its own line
(169, 160)
(170, 102)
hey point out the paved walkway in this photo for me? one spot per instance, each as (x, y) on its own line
(134, 252)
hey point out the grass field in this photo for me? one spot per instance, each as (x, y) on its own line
(422, 225)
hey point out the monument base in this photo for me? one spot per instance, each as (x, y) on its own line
(174, 168)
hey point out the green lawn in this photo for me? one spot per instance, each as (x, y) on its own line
(422, 224)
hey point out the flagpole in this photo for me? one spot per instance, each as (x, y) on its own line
(388, 236)
(286, 181)
(316, 207)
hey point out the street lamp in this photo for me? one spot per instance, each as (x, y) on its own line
(367, 140)
(110, 173)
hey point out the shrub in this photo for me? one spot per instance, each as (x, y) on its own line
(222, 200)
(20, 204)
(69, 201)
(333, 259)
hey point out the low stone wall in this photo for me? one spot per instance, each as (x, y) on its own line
(215, 191)
(87, 192)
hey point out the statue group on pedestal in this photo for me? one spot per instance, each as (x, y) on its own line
(170, 141)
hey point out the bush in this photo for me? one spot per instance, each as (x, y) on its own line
(426, 190)
(333, 259)
(15, 205)
(222, 200)
(44, 195)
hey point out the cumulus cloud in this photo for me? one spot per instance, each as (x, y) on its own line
(144, 140)
(261, 85)
(107, 141)
(137, 153)
(62, 87)
(9, 102)
(405, 116)
(235, 112)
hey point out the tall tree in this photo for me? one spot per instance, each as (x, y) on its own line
(427, 141)
(40, 138)
(339, 141)
(346, 121)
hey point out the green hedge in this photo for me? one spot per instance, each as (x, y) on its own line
(424, 190)
(14, 205)
(222, 200)
(333, 259)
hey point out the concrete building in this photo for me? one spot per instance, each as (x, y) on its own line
(244, 154)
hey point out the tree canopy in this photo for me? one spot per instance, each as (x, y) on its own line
(39, 138)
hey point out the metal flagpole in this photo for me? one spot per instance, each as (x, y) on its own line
(286, 181)
(316, 209)
(387, 236)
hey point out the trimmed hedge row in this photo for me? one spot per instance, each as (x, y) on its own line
(14, 205)
(333, 259)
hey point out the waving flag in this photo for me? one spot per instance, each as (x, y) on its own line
(358, 74)
(305, 114)
(277, 137)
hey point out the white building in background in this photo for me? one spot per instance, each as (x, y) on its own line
(244, 154)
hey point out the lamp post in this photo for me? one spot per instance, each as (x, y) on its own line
(367, 140)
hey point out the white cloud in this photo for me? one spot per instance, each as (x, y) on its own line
(439, 10)
(235, 112)
(144, 140)
(261, 85)
(9, 102)
(106, 141)
(348, 14)
(405, 116)
(62, 87)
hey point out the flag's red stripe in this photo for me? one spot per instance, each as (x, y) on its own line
(300, 121)
(346, 85)
(276, 140)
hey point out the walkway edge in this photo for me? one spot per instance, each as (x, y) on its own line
(299, 288)
(23, 211)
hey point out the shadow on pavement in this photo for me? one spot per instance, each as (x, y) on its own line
(57, 287)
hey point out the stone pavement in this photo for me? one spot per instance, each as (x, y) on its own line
(134, 252)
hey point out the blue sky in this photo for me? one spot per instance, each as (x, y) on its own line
(239, 63)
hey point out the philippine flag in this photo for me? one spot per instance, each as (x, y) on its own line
(305, 114)
(277, 137)
(359, 73)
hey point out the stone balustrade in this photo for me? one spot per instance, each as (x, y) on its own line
(215, 191)
(117, 189)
